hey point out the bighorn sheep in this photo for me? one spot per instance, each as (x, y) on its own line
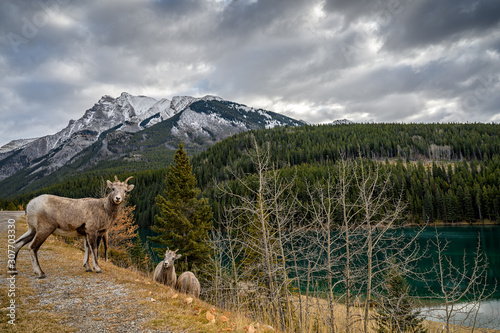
(87, 217)
(165, 270)
(188, 283)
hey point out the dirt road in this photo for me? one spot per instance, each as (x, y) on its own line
(69, 297)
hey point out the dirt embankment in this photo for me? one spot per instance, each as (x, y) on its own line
(72, 300)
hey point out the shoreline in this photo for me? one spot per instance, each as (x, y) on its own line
(451, 224)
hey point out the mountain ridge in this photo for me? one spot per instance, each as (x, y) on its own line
(113, 127)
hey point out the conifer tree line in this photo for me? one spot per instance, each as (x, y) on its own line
(449, 172)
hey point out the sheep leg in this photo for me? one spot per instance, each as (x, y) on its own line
(104, 238)
(23, 240)
(105, 242)
(98, 244)
(86, 257)
(38, 240)
(92, 240)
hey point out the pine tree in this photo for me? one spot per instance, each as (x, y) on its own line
(184, 219)
(397, 310)
(11, 206)
(428, 207)
(469, 214)
(137, 253)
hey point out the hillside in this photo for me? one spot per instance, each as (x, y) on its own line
(449, 172)
(444, 172)
(119, 300)
(127, 133)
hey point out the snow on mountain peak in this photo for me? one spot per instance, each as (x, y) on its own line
(179, 103)
(211, 98)
(16, 144)
(141, 104)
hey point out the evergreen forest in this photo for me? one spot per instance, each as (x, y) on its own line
(444, 172)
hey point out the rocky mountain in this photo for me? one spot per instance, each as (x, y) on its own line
(341, 122)
(126, 126)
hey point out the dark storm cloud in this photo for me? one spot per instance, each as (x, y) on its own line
(317, 60)
(428, 22)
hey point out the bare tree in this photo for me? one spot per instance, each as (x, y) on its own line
(462, 289)
(357, 218)
(259, 228)
(265, 248)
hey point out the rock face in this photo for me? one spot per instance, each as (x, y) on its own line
(111, 121)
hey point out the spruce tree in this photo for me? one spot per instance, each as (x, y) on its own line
(184, 219)
(137, 253)
(397, 311)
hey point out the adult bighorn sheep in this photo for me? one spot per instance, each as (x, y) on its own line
(188, 283)
(165, 270)
(86, 217)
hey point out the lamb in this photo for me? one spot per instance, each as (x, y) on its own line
(105, 240)
(165, 270)
(86, 217)
(189, 284)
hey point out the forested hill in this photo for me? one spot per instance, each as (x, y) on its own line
(317, 144)
(446, 172)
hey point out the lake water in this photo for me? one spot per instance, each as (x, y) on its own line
(462, 240)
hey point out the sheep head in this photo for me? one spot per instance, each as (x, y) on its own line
(119, 189)
(170, 257)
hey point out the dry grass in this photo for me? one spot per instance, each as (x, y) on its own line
(152, 306)
(317, 310)
(164, 308)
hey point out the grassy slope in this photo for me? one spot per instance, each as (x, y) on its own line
(149, 305)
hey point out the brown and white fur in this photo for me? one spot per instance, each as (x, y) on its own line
(86, 217)
(188, 283)
(165, 270)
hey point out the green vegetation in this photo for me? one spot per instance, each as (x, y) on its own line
(397, 311)
(184, 219)
(312, 180)
(447, 172)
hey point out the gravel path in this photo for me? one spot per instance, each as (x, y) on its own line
(87, 302)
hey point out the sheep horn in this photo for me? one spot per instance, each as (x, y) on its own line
(126, 180)
(116, 179)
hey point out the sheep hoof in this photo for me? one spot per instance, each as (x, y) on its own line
(42, 276)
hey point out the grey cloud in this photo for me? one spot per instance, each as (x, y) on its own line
(431, 22)
(353, 10)
(394, 60)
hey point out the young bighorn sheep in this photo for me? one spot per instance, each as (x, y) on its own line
(188, 283)
(105, 240)
(86, 217)
(165, 270)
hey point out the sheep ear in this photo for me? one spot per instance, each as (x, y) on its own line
(177, 256)
(130, 187)
(110, 184)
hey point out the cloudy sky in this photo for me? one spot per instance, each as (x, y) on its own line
(316, 60)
